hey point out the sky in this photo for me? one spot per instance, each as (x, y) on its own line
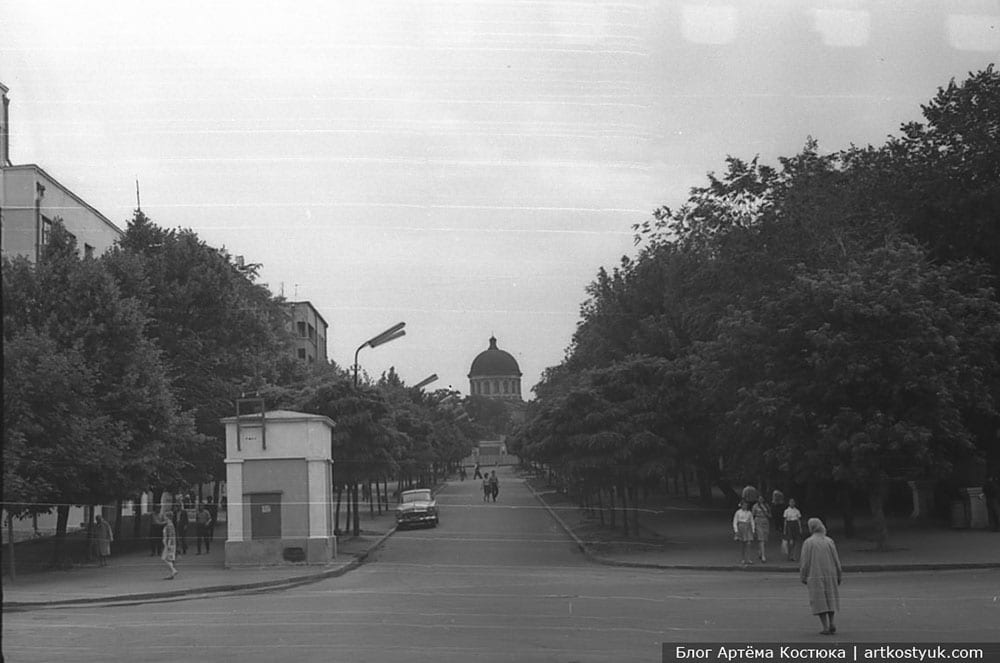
(464, 166)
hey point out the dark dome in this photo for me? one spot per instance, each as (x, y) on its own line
(494, 361)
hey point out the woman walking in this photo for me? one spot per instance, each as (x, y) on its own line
(169, 546)
(743, 528)
(791, 530)
(821, 573)
(761, 526)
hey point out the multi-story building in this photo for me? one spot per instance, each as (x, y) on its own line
(308, 330)
(31, 199)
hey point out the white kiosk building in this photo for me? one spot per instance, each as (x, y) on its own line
(279, 473)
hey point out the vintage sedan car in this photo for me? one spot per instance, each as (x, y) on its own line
(416, 507)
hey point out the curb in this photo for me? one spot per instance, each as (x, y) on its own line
(283, 583)
(851, 568)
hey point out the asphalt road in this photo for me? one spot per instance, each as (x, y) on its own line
(501, 582)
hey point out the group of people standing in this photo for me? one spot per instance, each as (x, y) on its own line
(753, 520)
(819, 567)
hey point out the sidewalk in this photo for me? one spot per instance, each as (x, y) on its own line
(676, 534)
(138, 576)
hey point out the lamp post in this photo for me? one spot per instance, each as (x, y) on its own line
(390, 334)
(426, 381)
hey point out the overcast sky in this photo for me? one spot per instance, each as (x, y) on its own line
(462, 166)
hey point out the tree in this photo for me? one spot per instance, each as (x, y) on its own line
(88, 411)
(862, 375)
(220, 333)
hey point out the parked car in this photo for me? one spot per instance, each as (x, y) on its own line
(416, 507)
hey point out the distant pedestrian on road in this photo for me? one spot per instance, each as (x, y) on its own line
(156, 523)
(791, 531)
(761, 526)
(182, 520)
(477, 474)
(170, 547)
(203, 521)
(103, 537)
(494, 485)
(821, 572)
(743, 527)
(487, 489)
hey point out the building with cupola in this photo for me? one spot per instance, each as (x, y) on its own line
(495, 374)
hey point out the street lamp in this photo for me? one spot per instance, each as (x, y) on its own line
(426, 381)
(390, 334)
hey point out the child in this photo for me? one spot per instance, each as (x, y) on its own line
(743, 529)
(792, 531)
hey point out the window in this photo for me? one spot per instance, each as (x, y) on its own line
(302, 353)
(46, 229)
(312, 333)
(302, 329)
(88, 251)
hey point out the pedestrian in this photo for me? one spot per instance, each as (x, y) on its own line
(494, 485)
(213, 510)
(169, 554)
(156, 523)
(487, 489)
(821, 573)
(761, 526)
(103, 536)
(477, 474)
(743, 527)
(182, 520)
(791, 529)
(203, 520)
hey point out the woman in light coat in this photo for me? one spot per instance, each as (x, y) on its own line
(169, 546)
(821, 573)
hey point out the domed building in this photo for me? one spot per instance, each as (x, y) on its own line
(495, 374)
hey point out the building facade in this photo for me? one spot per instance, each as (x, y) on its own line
(31, 200)
(495, 374)
(309, 331)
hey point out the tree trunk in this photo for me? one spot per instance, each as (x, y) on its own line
(88, 514)
(137, 517)
(611, 507)
(635, 510)
(59, 543)
(371, 499)
(846, 510)
(876, 499)
(118, 520)
(10, 545)
(357, 513)
(378, 495)
(704, 487)
(623, 491)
